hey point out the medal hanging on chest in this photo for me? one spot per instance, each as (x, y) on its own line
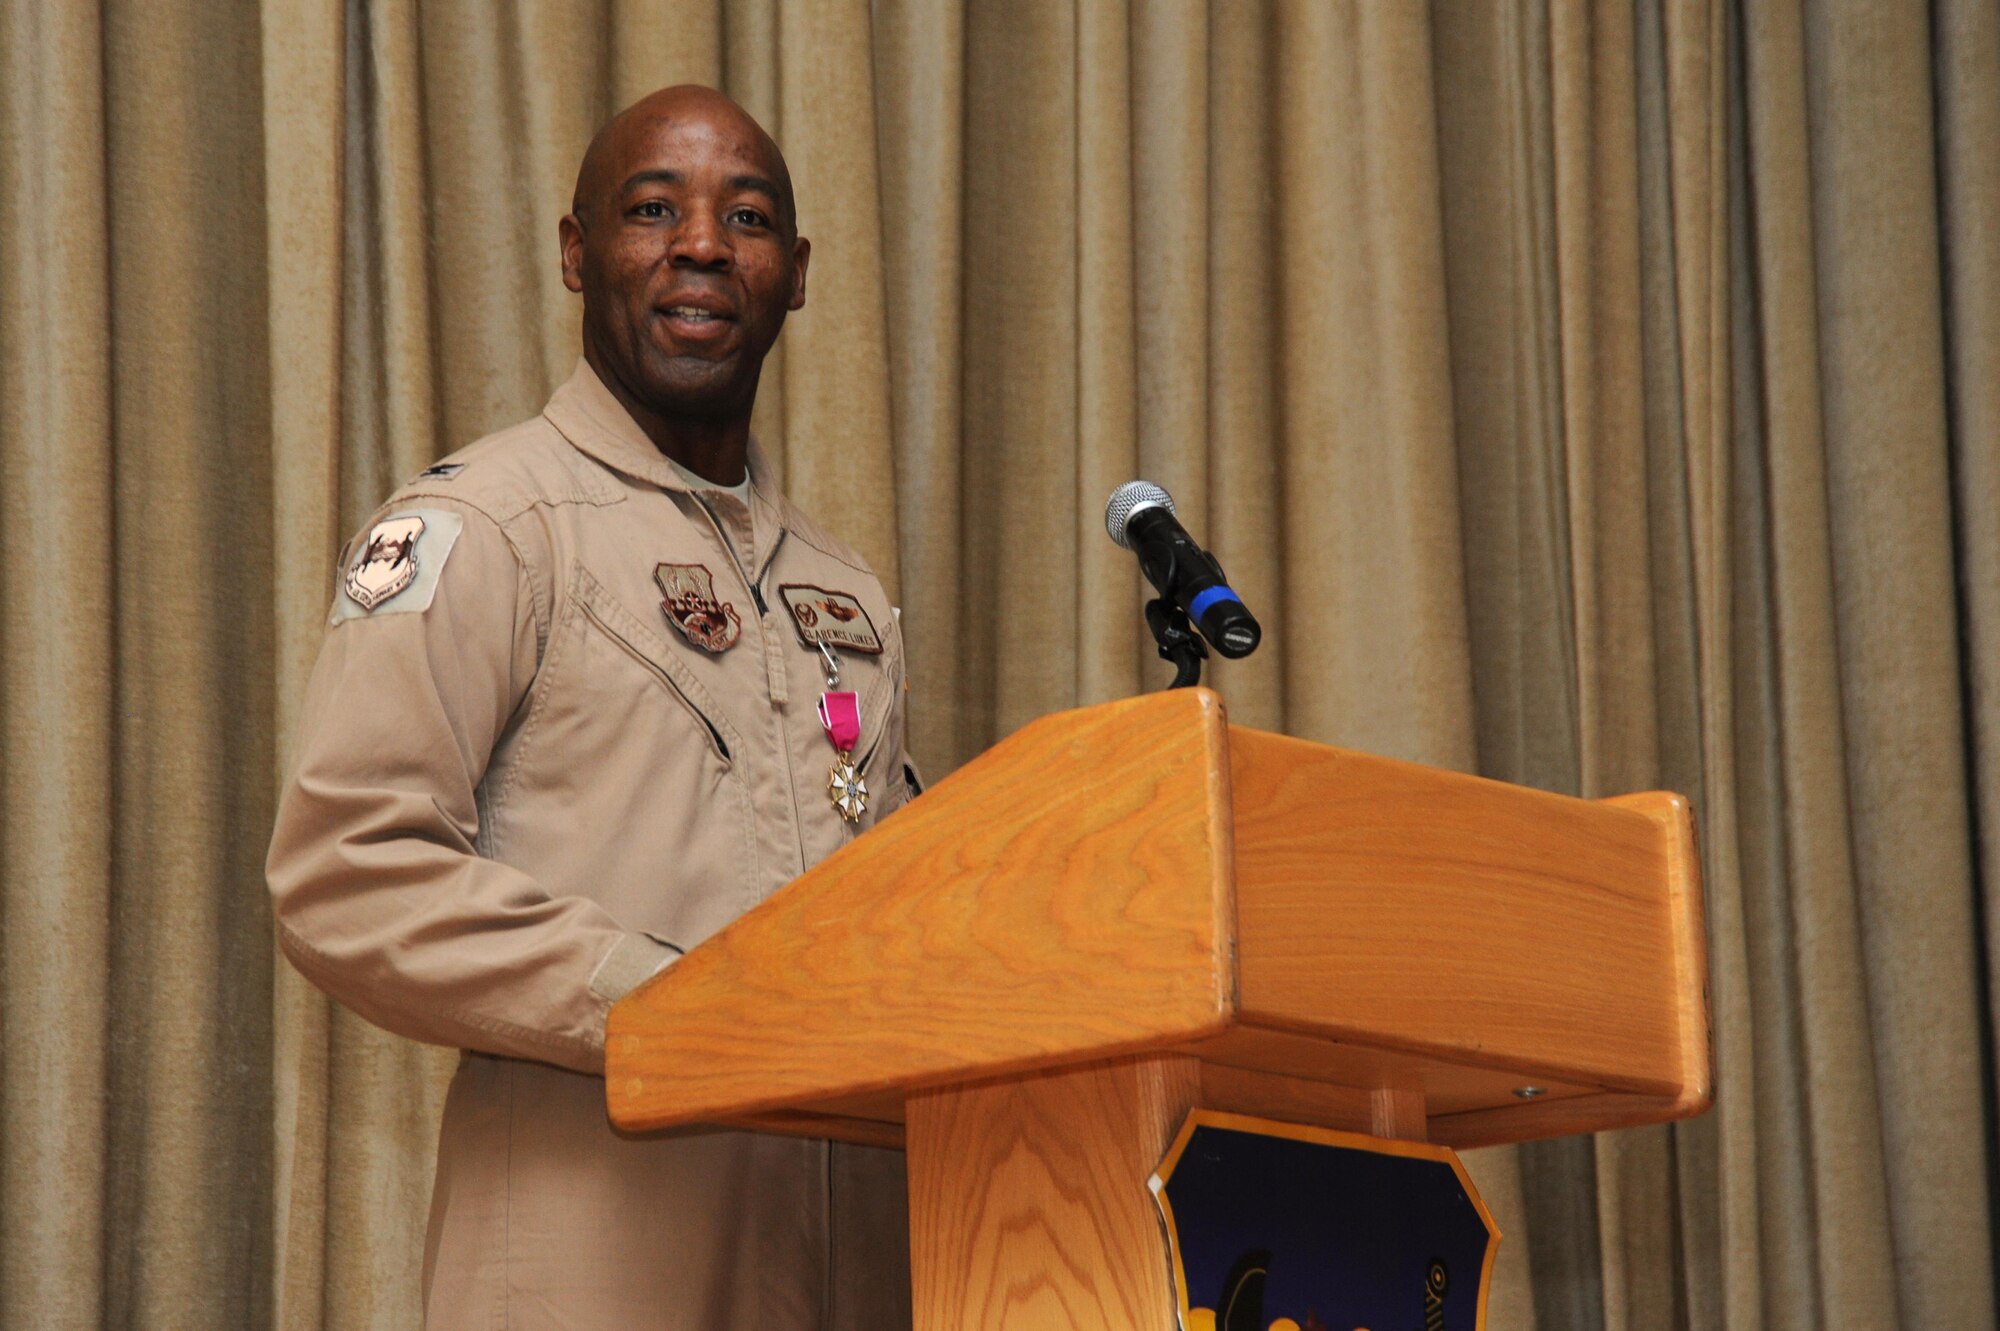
(840, 714)
(840, 717)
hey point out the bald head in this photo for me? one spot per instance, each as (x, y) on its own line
(626, 137)
(685, 247)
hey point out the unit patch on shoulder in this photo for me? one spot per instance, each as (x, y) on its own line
(831, 619)
(396, 569)
(443, 471)
(688, 598)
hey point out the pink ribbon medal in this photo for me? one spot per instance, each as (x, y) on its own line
(840, 713)
(840, 716)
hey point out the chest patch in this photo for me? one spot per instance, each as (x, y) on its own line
(688, 598)
(831, 619)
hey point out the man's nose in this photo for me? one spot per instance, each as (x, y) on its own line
(699, 241)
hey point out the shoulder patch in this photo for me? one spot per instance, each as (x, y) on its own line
(396, 569)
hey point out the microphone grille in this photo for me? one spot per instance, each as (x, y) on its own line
(1128, 499)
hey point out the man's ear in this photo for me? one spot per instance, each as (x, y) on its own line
(801, 252)
(569, 232)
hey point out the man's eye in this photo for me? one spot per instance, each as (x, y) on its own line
(651, 208)
(748, 217)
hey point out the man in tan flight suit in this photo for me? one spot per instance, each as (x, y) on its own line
(564, 727)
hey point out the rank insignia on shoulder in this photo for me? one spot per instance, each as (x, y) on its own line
(830, 619)
(398, 564)
(688, 598)
(443, 471)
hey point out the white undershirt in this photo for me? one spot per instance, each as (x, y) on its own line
(741, 490)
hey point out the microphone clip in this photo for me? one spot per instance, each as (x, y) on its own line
(1180, 646)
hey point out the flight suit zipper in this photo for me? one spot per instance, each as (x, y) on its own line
(774, 662)
(752, 585)
(764, 572)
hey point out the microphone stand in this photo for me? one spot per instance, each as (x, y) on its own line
(1180, 645)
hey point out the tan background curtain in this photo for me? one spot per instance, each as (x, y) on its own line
(1594, 395)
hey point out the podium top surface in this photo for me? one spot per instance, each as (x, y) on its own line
(1313, 924)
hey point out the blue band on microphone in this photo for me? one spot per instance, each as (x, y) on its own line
(1203, 600)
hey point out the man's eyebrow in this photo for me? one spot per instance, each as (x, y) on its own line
(667, 176)
(658, 176)
(760, 184)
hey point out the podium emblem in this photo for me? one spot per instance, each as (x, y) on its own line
(1277, 1227)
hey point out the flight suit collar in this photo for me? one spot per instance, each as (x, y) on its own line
(586, 413)
(597, 424)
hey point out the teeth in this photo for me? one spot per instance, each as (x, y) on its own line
(690, 312)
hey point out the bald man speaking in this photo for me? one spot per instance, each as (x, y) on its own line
(591, 688)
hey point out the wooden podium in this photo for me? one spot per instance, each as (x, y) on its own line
(1031, 974)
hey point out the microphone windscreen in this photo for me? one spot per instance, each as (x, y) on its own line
(1128, 499)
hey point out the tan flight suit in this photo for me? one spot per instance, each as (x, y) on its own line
(520, 788)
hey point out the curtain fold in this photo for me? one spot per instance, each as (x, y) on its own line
(304, 53)
(137, 962)
(1966, 38)
(919, 75)
(190, 969)
(55, 815)
(1596, 395)
(1870, 737)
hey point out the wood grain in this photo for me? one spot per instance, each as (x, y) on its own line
(1286, 1098)
(1450, 1086)
(1394, 906)
(830, 1127)
(1069, 897)
(1394, 1112)
(1538, 1119)
(1029, 1207)
(1674, 822)
(1065, 896)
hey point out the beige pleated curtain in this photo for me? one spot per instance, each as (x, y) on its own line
(1599, 396)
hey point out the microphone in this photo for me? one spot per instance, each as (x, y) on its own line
(1140, 517)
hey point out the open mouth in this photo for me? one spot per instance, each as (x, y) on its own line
(689, 314)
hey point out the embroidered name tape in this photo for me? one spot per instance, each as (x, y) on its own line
(396, 569)
(831, 619)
